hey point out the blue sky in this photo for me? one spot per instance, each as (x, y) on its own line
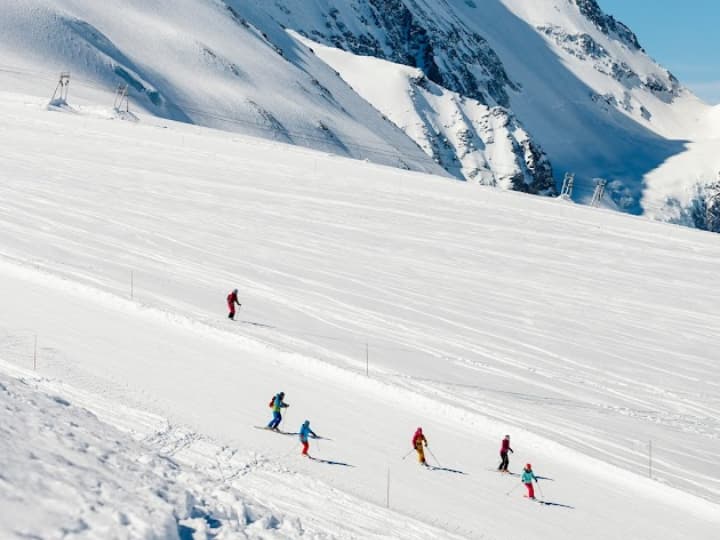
(682, 35)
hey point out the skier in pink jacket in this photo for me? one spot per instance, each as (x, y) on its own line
(504, 449)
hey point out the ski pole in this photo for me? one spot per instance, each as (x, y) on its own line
(541, 491)
(433, 455)
(406, 455)
(513, 489)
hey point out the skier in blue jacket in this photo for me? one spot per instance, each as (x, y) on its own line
(277, 404)
(305, 433)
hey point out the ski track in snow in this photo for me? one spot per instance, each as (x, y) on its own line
(584, 334)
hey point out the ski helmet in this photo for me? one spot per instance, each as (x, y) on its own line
(528, 466)
(306, 423)
(235, 291)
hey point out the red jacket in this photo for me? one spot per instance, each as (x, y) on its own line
(418, 438)
(232, 300)
(505, 446)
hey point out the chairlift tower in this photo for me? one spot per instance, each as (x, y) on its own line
(62, 87)
(568, 183)
(121, 103)
(600, 184)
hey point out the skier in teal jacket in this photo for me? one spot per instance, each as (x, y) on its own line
(305, 433)
(527, 478)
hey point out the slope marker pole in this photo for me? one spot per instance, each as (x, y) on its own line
(35, 354)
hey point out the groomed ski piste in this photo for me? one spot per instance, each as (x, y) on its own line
(378, 300)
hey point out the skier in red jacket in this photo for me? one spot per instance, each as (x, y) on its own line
(232, 299)
(417, 442)
(504, 449)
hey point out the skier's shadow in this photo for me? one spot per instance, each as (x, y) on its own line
(559, 505)
(446, 469)
(253, 323)
(331, 462)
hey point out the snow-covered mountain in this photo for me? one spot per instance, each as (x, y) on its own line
(576, 80)
(509, 93)
(469, 139)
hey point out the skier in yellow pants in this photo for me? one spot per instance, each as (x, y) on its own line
(418, 441)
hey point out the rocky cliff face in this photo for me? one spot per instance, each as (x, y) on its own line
(607, 23)
(450, 57)
(401, 31)
(585, 48)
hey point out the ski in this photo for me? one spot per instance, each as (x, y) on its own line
(509, 473)
(265, 428)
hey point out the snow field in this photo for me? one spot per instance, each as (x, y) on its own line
(151, 480)
(580, 332)
(173, 376)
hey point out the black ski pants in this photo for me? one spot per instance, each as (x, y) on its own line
(505, 461)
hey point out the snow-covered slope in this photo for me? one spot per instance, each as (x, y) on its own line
(585, 334)
(197, 61)
(117, 472)
(66, 474)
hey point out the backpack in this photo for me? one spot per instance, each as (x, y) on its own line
(272, 402)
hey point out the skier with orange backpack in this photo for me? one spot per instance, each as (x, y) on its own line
(277, 404)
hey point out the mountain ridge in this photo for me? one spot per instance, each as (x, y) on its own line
(567, 87)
